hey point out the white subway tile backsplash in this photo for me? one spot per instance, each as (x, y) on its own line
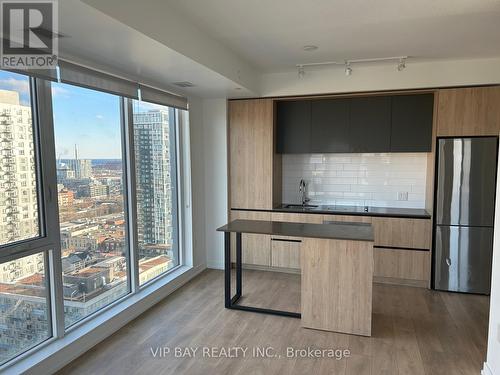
(357, 179)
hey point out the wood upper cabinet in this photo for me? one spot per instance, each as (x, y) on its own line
(251, 148)
(293, 126)
(330, 125)
(469, 111)
(412, 118)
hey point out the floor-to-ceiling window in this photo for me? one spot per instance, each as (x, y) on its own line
(90, 188)
(154, 128)
(24, 293)
(89, 199)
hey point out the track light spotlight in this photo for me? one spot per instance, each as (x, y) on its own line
(301, 71)
(348, 69)
(401, 64)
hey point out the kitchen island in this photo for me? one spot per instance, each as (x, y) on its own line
(336, 264)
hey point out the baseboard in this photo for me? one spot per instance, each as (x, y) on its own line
(486, 370)
(217, 265)
(61, 352)
(404, 282)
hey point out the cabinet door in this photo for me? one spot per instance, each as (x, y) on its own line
(251, 153)
(407, 265)
(330, 125)
(293, 126)
(285, 252)
(402, 233)
(370, 124)
(411, 129)
(256, 248)
(469, 111)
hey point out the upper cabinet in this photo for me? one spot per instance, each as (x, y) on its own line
(399, 123)
(469, 111)
(251, 149)
(294, 126)
(330, 125)
(412, 118)
(370, 124)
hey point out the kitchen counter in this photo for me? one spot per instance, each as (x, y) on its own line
(336, 231)
(336, 264)
(414, 213)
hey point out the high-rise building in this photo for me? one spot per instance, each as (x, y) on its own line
(18, 195)
(82, 168)
(154, 192)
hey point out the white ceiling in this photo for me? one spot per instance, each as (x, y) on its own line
(100, 41)
(270, 33)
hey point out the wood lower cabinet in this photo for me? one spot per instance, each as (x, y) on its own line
(397, 266)
(347, 218)
(256, 248)
(469, 111)
(402, 232)
(297, 218)
(336, 285)
(401, 248)
(285, 252)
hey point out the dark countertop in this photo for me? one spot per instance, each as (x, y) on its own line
(336, 231)
(358, 211)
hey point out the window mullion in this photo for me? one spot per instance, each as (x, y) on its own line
(51, 211)
(130, 192)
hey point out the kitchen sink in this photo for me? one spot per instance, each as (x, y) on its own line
(301, 206)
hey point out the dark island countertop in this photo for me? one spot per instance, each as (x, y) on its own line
(411, 213)
(334, 231)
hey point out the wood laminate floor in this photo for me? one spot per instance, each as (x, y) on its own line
(415, 331)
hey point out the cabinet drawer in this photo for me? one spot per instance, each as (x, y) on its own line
(402, 264)
(297, 218)
(402, 233)
(256, 248)
(348, 219)
(285, 252)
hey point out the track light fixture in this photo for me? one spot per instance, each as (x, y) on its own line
(402, 64)
(301, 71)
(401, 61)
(348, 69)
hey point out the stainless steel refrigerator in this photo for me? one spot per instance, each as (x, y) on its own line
(465, 211)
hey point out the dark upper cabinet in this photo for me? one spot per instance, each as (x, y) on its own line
(330, 125)
(293, 127)
(370, 124)
(398, 123)
(412, 123)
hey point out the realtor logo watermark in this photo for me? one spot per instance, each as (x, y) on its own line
(29, 34)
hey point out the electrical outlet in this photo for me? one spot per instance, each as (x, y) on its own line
(403, 196)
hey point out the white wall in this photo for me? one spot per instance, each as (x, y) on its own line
(215, 176)
(197, 148)
(492, 365)
(370, 77)
(357, 179)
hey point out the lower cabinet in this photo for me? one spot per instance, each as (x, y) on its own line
(256, 248)
(285, 252)
(399, 266)
(401, 254)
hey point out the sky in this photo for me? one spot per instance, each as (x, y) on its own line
(90, 119)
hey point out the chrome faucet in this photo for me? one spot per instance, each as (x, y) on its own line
(303, 191)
